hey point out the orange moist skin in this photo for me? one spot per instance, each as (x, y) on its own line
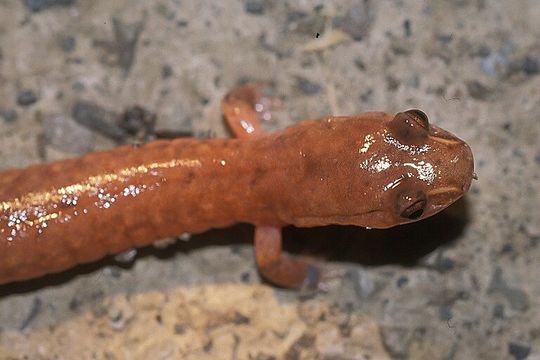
(376, 170)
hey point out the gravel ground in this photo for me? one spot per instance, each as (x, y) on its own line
(462, 285)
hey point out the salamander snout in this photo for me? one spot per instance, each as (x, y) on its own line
(455, 169)
(432, 167)
(468, 168)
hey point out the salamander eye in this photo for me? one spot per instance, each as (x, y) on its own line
(419, 117)
(411, 126)
(411, 204)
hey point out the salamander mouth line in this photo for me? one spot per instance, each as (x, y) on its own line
(444, 190)
(444, 141)
(335, 218)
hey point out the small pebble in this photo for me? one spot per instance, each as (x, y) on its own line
(407, 27)
(164, 243)
(180, 329)
(68, 44)
(445, 313)
(530, 66)
(306, 341)
(126, 257)
(254, 7)
(366, 95)
(139, 122)
(518, 351)
(208, 346)
(240, 319)
(483, 51)
(166, 71)
(463, 295)
(444, 264)
(498, 311)
(359, 64)
(402, 281)
(74, 303)
(507, 248)
(37, 5)
(363, 284)
(517, 298)
(182, 23)
(477, 90)
(9, 116)
(392, 84)
(115, 317)
(185, 236)
(245, 277)
(308, 87)
(400, 47)
(119, 312)
(445, 38)
(26, 98)
(98, 119)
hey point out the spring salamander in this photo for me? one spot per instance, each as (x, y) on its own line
(375, 170)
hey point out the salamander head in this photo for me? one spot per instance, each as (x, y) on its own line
(377, 170)
(416, 170)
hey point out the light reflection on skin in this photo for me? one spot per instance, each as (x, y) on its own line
(411, 149)
(377, 163)
(368, 141)
(393, 184)
(426, 172)
(22, 213)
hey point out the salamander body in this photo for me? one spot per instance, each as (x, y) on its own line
(374, 170)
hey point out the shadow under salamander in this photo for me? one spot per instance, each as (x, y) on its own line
(404, 245)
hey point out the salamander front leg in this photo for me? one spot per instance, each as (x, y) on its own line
(243, 108)
(279, 268)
